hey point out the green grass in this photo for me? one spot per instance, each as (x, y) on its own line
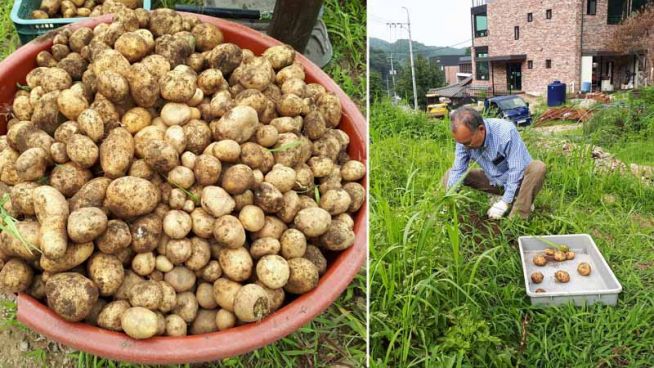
(447, 288)
(639, 152)
(339, 334)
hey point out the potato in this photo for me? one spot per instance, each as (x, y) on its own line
(335, 201)
(146, 233)
(211, 81)
(225, 57)
(130, 280)
(313, 221)
(251, 303)
(177, 224)
(237, 179)
(143, 264)
(321, 166)
(12, 247)
(139, 323)
(275, 296)
(80, 38)
(266, 135)
(353, 170)
(295, 70)
(200, 254)
(178, 86)
(143, 86)
(146, 294)
(204, 296)
(338, 237)
(168, 297)
(31, 164)
(117, 152)
(293, 244)
(227, 150)
(107, 272)
(178, 251)
(113, 86)
(86, 224)
(71, 104)
(236, 264)
(187, 306)
(180, 278)
(252, 218)
(22, 108)
(174, 113)
(357, 195)
(71, 295)
(238, 124)
(205, 322)
(273, 271)
(161, 156)
(207, 36)
(109, 317)
(316, 257)
(272, 228)
(130, 196)
(282, 177)
(15, 276)
(82, 150)
(198, 136)
(229, 232)
(216, 201)
(175, 325)
(303, 276)
(268, 197)
(116, 238)
(224, 292)
(132, 46)
(136, 119)
(225, 319)
(91, 124)
(75, 255)
(280, 56)
(264, 246)
(51, 210)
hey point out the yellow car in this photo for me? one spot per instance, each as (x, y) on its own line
(438, 110)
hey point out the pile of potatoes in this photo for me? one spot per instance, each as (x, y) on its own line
(83, 8)
(165, 182)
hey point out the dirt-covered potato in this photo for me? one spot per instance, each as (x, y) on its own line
(236, 264)
(139, 322)
(180, 278)
(273, 271)
(75, 255)
(187, 306)
(143, 264)
(264, 246)
(229, 232)
(316, 257)
(313, 221)
(146, 294)
(205, 322)
(109, 317)
(225, 57)
(86, 224)
(71, 295)
(207, 36)
(146, 233)
(280, 56)
(216, 201)
(303, 276)
(252, 218)
(537, 277)
(338, 237)
(51, 210)
(207, 169)
(225, 319)
(539, 260)
(584, 269)
(116, 238)
(82, 150)
(251, 303)
(107, 272)
(177, 224)
(175, 325)
(117, 152)
(130, 196)
(16, 276)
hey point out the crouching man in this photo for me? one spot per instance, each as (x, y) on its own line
(506, 167)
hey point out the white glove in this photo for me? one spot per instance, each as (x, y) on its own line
(498, 210)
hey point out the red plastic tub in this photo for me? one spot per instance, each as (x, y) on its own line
(218, 345)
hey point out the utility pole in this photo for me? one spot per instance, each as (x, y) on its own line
(388, 89)
(392, 72)
(413, 70)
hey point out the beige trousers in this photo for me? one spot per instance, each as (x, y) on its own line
(531, 184)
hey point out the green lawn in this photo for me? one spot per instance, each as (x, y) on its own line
(447, 289)
(338, 336)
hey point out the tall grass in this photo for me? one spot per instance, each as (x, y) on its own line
(446, 284)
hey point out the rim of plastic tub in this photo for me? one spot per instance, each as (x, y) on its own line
(217, 345)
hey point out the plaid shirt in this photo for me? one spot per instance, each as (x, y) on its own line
(503, 157)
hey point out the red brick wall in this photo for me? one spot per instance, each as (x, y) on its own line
(596, 31)
(557, 39)
(450, 74)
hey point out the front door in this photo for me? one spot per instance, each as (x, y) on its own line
(514, 76)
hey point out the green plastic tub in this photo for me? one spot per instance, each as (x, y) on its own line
(29, 29)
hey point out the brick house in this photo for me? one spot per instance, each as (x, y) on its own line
(520, 46)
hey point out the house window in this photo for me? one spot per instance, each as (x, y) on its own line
(591, 7)
(548, 13)
(530, 17)
(516, 32)
(530, 64)
(548, 63)
(482, 67)
(481, 25)
(615, 11)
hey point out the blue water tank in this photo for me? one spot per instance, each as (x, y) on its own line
(556, 93)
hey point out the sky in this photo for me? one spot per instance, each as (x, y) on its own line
(433, 22)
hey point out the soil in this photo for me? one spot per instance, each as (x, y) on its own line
(554, 129)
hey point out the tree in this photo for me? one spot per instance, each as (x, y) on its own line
(376, 86)
(635, 35)
(426, 77)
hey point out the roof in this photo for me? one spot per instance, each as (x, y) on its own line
(503, 98)
(519, 57)
(451, 91)
(465, 59)
(445, 60)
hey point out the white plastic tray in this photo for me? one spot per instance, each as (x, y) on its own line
(600, 286)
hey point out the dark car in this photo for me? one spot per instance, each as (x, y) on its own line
(512, 108)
